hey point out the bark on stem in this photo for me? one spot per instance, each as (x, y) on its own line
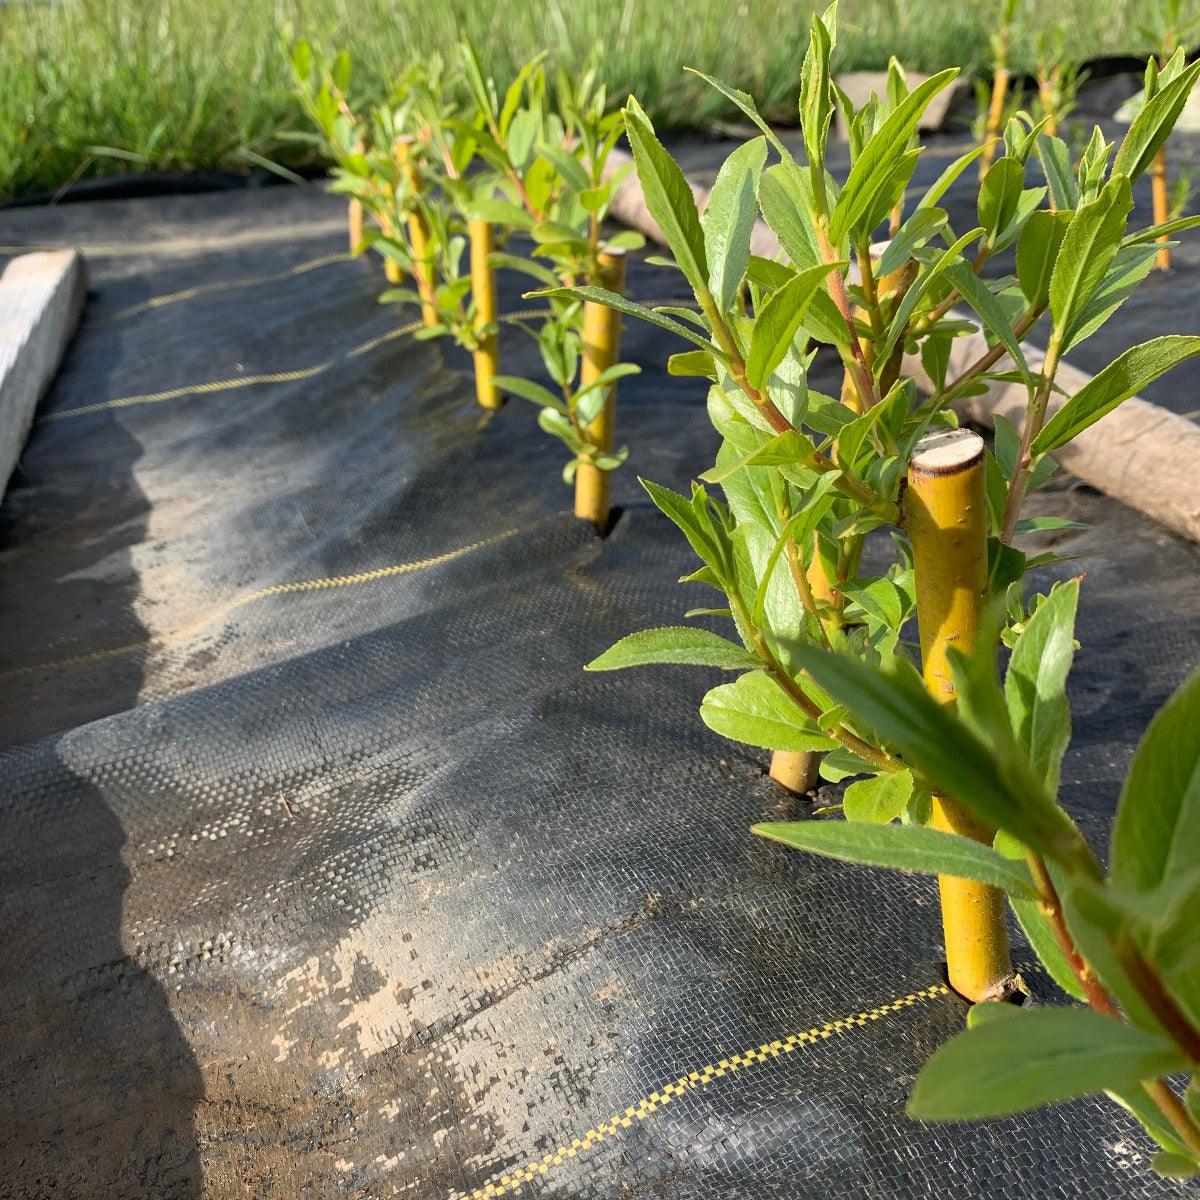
(1034, 421)
(1173, 1109)
(1094, 992)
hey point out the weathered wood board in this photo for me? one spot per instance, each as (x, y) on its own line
(41, 297)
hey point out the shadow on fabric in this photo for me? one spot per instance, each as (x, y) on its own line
(98, 1085)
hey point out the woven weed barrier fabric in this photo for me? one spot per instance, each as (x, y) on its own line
(325, 871)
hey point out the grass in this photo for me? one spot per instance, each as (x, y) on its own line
(96, 86)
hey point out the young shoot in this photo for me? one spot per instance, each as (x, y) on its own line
(1059, 78)
(1167, 34)
(548, 142)
(802, 480)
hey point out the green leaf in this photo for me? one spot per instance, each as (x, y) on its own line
(609, 376)
(695, 523)
(791, 446)
(625, 239)
(555, 232)
(917, 231)
(1086, 922)
(1166, 229)
(755, 710)
(1037, 252)
(677, 644)
(1036, 681)
(904, 848)
(951, 255)
(786, 200)
(1152, 126)
(816, 100)
(873, 169)
(501, 212)
(1036, 928)
(935, 741)
(475, 79)
(1040, 936)
(785, 197)
(557, 423)
(512, 97)
(776, 325)
(880, 599)
(526, 266)
(1130, 265)
(1056, 166)
(746, 104)
(729, 219)
(991, 312)
(1157, 827)
(1170, 924)
(1048, 524)
(1087, 249)
(1175, 1166)
(1136, 1101)
(630, 308)
(528, 390)
(1125, 377)
(302, 59)
(840, 764)
(946, 180)
(1020, 1059)
(569, 167)
(880, 799)
(521, 135)
(692, 363)
(999, 195)
(668, 197)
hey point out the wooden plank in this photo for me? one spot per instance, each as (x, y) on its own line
(1141, 453)
(41, 297)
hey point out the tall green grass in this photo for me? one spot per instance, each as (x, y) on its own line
(93, 86)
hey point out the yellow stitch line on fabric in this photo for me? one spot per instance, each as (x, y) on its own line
(229, 385)
(278, 589)
(644, 1108)
(204, 289)
(199, 389)
(185, 247)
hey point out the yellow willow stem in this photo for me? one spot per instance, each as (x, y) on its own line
(601, 349)
(875, 291)
(354, 212)
(796, 770)
(1158, 188)
(1047, 88)
(483, 292)
(418, 234)
(946, 518)
(392, 270)
(991, 131)
(799, 770)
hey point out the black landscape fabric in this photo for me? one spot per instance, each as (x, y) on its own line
(324, 869)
